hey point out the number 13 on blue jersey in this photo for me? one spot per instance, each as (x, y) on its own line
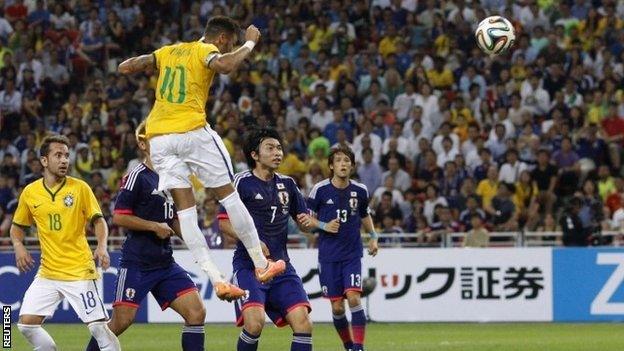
(341, 215)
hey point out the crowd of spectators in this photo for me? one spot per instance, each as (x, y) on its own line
(444, 135)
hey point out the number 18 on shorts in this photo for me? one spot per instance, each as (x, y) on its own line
(44, 295)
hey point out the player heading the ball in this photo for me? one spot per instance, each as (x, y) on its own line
(182, 143)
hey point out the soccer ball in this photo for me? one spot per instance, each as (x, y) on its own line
(368, 285)
(495, 35)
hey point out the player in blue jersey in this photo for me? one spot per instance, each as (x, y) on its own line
(272, 199)
(341, 205)
(147, 263)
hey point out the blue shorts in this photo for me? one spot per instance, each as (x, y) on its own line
(166, 284)
(337, 278)
(283, 294)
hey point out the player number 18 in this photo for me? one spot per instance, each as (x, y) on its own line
(88, 300)
(55, 221)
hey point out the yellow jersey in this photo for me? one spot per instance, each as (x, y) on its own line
(61, 216)
(184, 80)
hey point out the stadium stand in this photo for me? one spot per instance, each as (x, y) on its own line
(444, 135)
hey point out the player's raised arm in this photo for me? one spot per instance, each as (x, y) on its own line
(137, 64)
(229, 62)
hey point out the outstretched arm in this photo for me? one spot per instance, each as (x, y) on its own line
(137, 64)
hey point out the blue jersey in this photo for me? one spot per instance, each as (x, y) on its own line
(270, 204)
(139, 196)
(349, 206)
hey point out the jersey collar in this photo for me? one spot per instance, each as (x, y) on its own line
(53, 194)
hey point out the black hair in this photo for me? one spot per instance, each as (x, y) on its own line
(219, 24)
(253, 140)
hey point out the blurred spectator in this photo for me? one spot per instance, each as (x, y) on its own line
(502, 211)
(488, 187)
(402, 180)
(370, 173)
(510, 170)
(574, 233)
(443, 224)
(477, 236)
(385, 208)
(388, 226)
(472, 209)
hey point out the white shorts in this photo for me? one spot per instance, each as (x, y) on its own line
(201, 152)
(44, 295)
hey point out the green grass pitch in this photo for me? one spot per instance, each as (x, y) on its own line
(379, 337)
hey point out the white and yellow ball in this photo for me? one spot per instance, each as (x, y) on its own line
(495, 35)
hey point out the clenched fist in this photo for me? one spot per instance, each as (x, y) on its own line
(252, 33)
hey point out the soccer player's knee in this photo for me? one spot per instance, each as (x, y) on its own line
(196, 316)
(338, 309)
(302, 324)
(30, 320)
(254, 326)
(354, 300)
(32, 333)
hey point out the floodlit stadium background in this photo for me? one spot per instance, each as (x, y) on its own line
(393, 80)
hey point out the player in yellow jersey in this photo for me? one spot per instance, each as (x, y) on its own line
(182, 143)
(60, 207)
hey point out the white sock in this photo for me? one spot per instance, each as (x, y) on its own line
(37, 337)
(196, 243)
(244, 227)
(106, 339)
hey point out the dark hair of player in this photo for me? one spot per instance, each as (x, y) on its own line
(340, 150)
(219, 24)
(253, 140)
(45, 145)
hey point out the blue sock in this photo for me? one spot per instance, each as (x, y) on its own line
(247, 341)
(358, 326)
(342, 327)
(93, 345)
(301, 342)
(193, 338)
